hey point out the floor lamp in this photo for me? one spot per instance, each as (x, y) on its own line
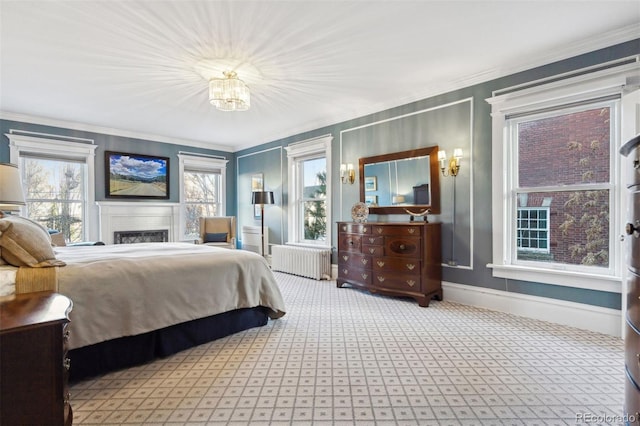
(262, 198)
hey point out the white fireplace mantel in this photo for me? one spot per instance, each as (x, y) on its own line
(137, 216)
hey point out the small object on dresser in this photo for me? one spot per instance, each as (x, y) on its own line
(413, 215)
(359, 212)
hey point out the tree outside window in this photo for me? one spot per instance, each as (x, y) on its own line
(54, 192)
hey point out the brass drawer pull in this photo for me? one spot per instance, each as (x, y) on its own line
(66, 364)
(66, 335)
(411, 230)
(381, 279)
(344, 227)
(372, 250)
(411, 283)
(364, 276)
(410, 266)
(371, 240)
(379, 230)
(365, 230)
(345, 258)
(380, 263)
(402, 247)
(364, 261)
(345, 271)
(67, 398)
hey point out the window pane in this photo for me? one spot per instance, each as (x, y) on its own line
(565, 150)
(573, 229)
(201, 195)
(314, 193)
(55, 195)
(315, 220)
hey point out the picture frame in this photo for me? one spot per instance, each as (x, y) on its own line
(136, 176)
(257, 184)
(371, 200)
(370, 183)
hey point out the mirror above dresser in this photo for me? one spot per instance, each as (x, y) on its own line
(396, 182)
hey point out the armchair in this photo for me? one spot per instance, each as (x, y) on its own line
(218, 231)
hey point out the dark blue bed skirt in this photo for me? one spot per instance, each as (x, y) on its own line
(129, 351)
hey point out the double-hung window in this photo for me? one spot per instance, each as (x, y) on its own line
(58, 182)
(556, 185)
(309, 196)
(202, 190)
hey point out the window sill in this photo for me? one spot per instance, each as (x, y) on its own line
(558, 277)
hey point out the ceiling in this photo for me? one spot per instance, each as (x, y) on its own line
(140, 68)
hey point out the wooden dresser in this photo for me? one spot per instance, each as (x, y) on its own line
(34, 369)
(391, 258)
(632, 247)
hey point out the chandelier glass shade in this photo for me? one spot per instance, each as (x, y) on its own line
(229, 93)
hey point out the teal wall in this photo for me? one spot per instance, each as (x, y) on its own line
(457, 119)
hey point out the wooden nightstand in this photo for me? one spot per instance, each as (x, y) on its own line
(34, 369)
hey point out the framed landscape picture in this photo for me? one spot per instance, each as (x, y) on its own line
(136, 176)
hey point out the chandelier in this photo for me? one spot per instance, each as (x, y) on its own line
(229, 93)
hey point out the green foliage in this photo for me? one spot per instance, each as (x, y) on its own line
(315, 220)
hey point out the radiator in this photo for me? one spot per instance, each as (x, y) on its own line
(304, 261)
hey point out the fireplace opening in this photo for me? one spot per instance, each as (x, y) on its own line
(133, 237)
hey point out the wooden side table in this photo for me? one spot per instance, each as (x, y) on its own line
(34, 369)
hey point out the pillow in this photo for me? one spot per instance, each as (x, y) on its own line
(26, 243)
(57, 239)
(215, 237)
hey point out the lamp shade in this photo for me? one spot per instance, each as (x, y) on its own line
(262, 197)
(11, 195)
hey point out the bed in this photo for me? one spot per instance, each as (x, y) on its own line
(136, 302)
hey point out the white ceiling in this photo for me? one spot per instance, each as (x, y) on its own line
(140, 68)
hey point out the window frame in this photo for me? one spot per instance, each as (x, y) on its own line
(53, 147)
(585, 87)
(297, 153)
(205, 164)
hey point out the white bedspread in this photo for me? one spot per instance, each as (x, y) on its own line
(128, 289)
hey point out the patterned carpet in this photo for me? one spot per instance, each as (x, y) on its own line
(346, 357)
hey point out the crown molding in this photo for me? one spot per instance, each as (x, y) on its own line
(45, 121)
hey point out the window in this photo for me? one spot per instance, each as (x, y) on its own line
(202, 190)
(314, 199)
(533, 231)
(58, 182)
(555, 190)
(308, 189)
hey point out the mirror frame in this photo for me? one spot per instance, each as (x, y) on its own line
(434, 180)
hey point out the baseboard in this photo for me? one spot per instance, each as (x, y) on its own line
(579, 315)
(334, 271)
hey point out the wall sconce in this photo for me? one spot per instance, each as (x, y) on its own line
(347, 173)
(453, 167)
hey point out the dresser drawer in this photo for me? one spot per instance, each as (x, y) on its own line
(352, 274)
(349, 242)
(403, 246)
(373, 240)
(410, 230)
(633, 299)
(373, 250)
(632, 351)
(631, 398)
(396, 281)
(355, 228)
(633, 241)
(400, 265)
(354, 260)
